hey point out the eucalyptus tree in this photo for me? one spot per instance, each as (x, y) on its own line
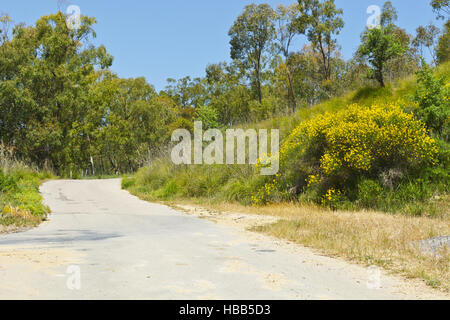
(426, 37)
(321, 22)
(46, 71)
(252, 36)
(388, 14)
(285, 34)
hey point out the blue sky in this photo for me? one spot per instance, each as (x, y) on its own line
(176, 38)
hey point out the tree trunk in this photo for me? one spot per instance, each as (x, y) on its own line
(291, 90)
(381, 79)
(92, 165)
(324, 59)
(380, 74)
(258, 78)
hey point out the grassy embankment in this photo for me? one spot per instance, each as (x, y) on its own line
(20, 202)
(383, 235)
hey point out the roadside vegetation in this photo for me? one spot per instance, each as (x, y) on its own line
(364, 150)
(20, 202)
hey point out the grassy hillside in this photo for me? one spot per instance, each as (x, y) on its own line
(162, 180)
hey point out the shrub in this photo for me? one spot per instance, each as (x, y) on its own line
(20, 201)
(335, 151)
(433, 98)
(208, 116)
(369, 193)
(332, 198)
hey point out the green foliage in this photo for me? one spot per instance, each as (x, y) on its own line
(20, 201)
(252, 37)
(433, 99)
(380, 45)
(267, 108)
(408, 171)
(163, 180)
(332, 152)
(61, 108)
(186, 92)
(388, 14)
(46, 71)
(127, 121)
(285, 33)
(368, 95)
(443, 48)
(414, 196)
(320, 21)
(305, 70)
(386, 47)
(369, 192)
(208, 116)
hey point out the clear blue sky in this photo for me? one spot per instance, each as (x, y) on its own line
(175, 38)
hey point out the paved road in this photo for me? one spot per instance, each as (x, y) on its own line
(125, 248)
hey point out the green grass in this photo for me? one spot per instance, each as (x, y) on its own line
(20, 202)
(163, 180)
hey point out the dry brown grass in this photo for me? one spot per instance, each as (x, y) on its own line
(367, 237)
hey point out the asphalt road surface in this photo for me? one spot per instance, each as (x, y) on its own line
(102, 243)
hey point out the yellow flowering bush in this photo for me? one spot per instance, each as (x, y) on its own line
(332, 198)
(334, 149)
(361, 138)
(264, 193)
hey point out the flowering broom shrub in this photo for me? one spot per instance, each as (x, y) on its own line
(326, 157)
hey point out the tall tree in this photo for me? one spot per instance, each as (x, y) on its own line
(252, 35)
(321, 22)
(285, 33)
(46, 70)
(380, 45)
(388, 14)
(426, 37)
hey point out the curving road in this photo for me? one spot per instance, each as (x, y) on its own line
(102, 243)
